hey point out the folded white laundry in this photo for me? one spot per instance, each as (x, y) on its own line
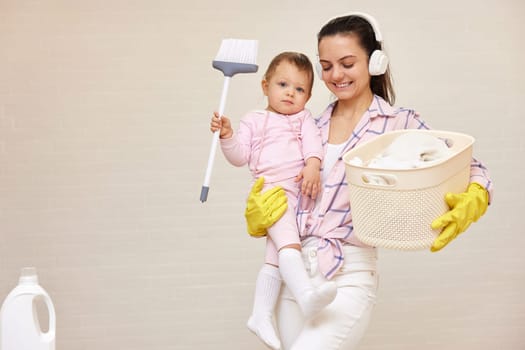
(407, 151)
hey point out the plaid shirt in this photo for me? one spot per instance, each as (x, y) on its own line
(333, 223)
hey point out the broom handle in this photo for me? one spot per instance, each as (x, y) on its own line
(215, 139)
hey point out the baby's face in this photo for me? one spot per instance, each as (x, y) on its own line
(288, 89)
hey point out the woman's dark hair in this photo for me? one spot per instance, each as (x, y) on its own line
(358, 26)
(299, 60)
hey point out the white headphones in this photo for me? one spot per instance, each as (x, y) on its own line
(378, 61)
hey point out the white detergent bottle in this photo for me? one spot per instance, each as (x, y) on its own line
(19, 325)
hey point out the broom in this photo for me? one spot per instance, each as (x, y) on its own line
(234, 56)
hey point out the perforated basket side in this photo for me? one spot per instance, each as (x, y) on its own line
(400, 219)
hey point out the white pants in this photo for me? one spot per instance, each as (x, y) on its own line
(342, 324)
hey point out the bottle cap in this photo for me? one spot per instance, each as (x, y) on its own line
(28, 276)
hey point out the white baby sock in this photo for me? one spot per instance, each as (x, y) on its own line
(311, 299)
(267, 288)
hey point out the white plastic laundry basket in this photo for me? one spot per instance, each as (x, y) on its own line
(397, 213)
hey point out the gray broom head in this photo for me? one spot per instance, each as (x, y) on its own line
(236, 56)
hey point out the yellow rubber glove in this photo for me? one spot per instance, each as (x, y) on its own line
(263, 210)
(465, 208)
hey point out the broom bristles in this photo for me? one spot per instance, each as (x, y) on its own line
(238, 51)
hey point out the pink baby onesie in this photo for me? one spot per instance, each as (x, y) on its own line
(276, 146)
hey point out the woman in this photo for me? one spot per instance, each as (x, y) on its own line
(354, 69)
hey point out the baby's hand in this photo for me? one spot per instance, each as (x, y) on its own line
(223, 124)
(311, 176)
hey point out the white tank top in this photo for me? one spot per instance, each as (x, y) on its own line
(331, 156)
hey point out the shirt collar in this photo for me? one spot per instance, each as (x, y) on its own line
(379, 107)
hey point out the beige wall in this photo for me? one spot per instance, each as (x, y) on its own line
(104, 112)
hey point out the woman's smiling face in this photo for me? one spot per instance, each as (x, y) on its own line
(344, 66)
